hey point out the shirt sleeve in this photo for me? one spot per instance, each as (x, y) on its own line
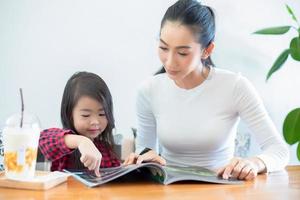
(275, 153)
(52, 143)
(146, 124)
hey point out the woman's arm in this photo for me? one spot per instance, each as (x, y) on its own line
(146, 123)
(146, 129)
(275, 154)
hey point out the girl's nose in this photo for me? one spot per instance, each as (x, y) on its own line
(94, 121)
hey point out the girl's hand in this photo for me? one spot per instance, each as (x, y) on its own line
(90, 155)
(241, 168)
(147, 157)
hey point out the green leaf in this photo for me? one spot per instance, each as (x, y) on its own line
(291, 127)
(298, 151)
(295, 48)
(278, 63)
(274, 30)
(291, 13)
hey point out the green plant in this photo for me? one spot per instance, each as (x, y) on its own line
(291, 124)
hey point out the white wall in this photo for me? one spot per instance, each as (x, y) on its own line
(42, 43)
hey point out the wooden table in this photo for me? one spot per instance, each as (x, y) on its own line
(280, 185)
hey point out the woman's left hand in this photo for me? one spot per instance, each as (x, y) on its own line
(242, 168)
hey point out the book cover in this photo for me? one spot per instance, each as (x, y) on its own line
(163, 174)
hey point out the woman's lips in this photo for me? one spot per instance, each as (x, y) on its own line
(172, 72)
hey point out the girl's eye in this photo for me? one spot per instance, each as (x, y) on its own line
(85, 115)
(102, 114)
(163, 48)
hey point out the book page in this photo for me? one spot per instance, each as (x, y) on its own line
(175, 174)
(108, 174)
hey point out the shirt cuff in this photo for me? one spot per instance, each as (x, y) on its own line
(269, 163)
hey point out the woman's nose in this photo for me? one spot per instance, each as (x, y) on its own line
(170, 61)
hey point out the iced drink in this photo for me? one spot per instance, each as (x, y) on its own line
(20, 147)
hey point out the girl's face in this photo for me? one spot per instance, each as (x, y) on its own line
(179, 51)
(89, 117)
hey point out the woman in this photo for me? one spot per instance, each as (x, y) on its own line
(193, 108)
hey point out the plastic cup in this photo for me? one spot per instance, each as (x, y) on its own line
(1, 152)
(20, 146)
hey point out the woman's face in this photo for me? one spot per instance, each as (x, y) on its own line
(179, 51)
(89, 117)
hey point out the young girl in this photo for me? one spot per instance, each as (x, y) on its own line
(87, 117)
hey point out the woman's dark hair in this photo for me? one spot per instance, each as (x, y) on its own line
(91, 85)
(199, 18)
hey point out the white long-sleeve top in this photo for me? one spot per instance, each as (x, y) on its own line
(198, 126)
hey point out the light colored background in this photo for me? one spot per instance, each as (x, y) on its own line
(42, 43)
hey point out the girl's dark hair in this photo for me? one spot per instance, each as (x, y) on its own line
(199, 18)
(91, 85)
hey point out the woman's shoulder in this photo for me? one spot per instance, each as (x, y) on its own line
(153, 82)
(228, 76)
(224, 73)
(230, 80)
(235, 80)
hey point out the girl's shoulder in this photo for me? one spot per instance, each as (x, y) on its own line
(57, 131)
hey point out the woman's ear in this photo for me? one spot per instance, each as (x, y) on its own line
(208, 51)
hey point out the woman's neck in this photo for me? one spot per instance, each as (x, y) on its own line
(194, 79)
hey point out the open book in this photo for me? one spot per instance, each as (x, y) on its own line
(162, 174)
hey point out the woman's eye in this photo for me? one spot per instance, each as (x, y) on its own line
(85, 115)
(163, 48)
(102, 114)
(182, 54)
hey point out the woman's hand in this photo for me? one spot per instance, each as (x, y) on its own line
(150, 156)
(242, 168)
(90, 155)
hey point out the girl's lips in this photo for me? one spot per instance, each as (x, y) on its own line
(94, 130)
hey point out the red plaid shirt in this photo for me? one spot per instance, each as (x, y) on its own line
(53, 147)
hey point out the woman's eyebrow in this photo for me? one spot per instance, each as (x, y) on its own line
(178, 47)
(89, 110)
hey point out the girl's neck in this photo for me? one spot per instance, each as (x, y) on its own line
(194, 79)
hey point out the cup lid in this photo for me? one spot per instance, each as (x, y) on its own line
(28, 120)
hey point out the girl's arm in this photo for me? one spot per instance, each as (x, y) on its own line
(52, 143)
(90, 155)
(55, 143)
